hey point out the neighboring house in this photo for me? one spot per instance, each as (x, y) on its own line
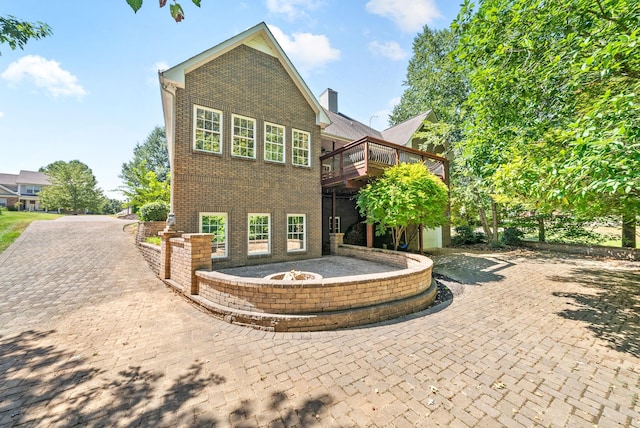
(22, 190)
(245, 138)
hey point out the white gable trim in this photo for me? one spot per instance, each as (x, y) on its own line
(258, 37)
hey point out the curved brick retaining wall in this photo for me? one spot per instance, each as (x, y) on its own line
(183, 261)
(324, 303)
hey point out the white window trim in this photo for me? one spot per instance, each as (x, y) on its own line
(284, 142)
(331, 224)
(226, 230)
(304, 233)
(258, 253)
(195, 122)
(255, 123)
(293, 131)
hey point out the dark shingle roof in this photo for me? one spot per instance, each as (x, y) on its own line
(343, 126)
(402, 133)
(8, 179)
(32, 177)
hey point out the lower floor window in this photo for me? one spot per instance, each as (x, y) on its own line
(296, 232)
(259, 234)
(215, 223)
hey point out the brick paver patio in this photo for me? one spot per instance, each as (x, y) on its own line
(89, 337)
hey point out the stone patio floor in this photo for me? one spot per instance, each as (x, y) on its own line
(327, 266)
(90, 337)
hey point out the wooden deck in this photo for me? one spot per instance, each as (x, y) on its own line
(354, 164)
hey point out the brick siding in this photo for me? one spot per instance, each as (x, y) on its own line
(250, 83)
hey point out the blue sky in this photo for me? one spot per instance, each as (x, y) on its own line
(90, 91)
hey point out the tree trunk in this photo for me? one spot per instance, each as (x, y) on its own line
(483, 220)
(541, 231)
(494, 213)
(629, 230)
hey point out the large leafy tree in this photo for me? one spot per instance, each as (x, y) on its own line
(433, 82)
(16, 33)
(405, 194)
(553, 112)
(146, 176)
(153, 154)
(175, 8)
(73, 187)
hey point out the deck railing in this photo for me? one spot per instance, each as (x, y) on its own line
(369, 156)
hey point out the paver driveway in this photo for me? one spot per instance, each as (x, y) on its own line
(89, 337)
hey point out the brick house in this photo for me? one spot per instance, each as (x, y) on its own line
(248, 145)
(21, 190)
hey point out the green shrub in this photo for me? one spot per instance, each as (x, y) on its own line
(465, 235)
(355, 234)
(511, 236)
(154, 211)
(155, 240)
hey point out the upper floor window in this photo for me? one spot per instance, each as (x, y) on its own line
(215, 223)
(296, 232)
(300, 148)
(259, 234)
(273, 142)
(207, 130)
(243, 142)
(32, 189)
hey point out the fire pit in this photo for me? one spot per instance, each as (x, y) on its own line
(293, 275)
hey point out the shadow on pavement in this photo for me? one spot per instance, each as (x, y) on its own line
(306, 415)
(612, 309)
(468, 269)
(47, 385)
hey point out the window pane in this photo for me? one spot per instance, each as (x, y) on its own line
(300, 148)
(243, 143)
(259, 237)
(296, 233)
(207, 130)
(217, 225)
(274, 143)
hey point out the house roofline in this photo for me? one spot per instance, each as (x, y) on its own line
(175, 75)
(9, 190)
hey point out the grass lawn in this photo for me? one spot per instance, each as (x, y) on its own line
(612, 236)
(12, 223)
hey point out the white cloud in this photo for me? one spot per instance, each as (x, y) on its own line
(409, 15)
(160, 66)
(1, 114)
(307, 51)
(45, 74)
(152, 80)
(391, 50)
(291, 9)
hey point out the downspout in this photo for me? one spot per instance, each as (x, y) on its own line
(169, 89)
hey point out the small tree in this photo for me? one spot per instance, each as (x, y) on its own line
(147, 189)
(405, 194)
